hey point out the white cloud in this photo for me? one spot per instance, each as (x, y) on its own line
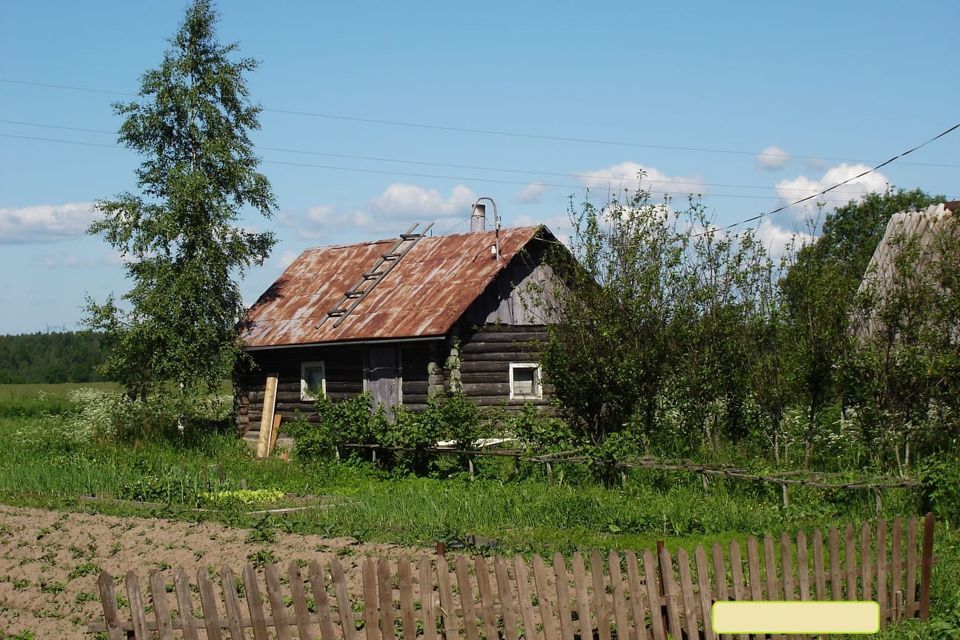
(286, 258)
(407, 199)
(776, 239)
(321, 214)
(626, 175)
(45, 222)
(531, 193)
(802, 186)
(772, 158)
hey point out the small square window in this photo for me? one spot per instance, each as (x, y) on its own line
(525, 381)
(313, 381)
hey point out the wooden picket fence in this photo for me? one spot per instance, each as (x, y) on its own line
(617, 597)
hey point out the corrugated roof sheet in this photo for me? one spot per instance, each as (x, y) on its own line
(424, 295)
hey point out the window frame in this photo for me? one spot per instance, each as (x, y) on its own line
(537, 381)
(305, 394)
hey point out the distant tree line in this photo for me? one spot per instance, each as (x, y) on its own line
(71, 356)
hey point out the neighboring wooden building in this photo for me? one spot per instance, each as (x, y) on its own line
(444, 313)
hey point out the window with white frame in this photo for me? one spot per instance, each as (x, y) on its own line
(525, 381)
(313, 380)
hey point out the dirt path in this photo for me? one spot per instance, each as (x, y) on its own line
(50, 560)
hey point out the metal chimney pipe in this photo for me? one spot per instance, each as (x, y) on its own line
(478, 218)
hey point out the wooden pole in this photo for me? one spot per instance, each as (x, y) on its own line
(266, 420)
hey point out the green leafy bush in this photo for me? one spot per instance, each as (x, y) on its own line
(941, 487)
(539, 433)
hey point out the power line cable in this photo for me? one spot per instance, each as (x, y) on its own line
(580, 176)
(831, 188)
(479, 131)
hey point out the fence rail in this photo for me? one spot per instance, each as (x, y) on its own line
(614, 597)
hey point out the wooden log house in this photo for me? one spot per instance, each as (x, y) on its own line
(402, 319)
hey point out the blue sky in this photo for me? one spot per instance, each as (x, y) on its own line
(690, 92)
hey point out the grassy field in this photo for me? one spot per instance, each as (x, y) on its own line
(513, 512)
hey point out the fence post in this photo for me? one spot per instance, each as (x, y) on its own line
(926, 566)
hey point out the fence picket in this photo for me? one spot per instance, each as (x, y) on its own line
(231, 603)
(427, 601)
(851, 562)
(736, 575)
(505, 592)
(620, 614)
(803, 568)
(583, 603)
(134, 595)
(670, 592)
(550, 624)
(525, 603)
(882, 587)
(385, 600)
(254, 602)
(835, 580)
(926, 566)
(866, 572)
(753, 566)
(653, 596)
(488, 613)
(278, 608)
(188, 623)
(451, 623)
(405, 577)
(786, 566)
(690, 617)
(896, 566)
(819, 570)
(109, 600)
(371, 606)
(703, 584)
(298, 594)
(638, 598)
(208, 602)
(344, 608)
(564, 608)
(161, 609)
(910, 605)
(601, 605)
(466, 599)
(770, 569)
(318, 586)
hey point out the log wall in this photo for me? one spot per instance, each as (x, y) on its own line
(485, 356)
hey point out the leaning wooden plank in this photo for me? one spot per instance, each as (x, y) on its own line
(371, 608)
(850, 547)
(620, 613)
(135, 597)
(208, 601)
(690, 617)
(657, 630)
(385, 592)
(549, 621)
(161, 609)
(670, 592)
(274, 433)
(188, 622)
(451, 625)
(231, 603)
(527, 615)
(255, 603)
(866, 564)
(266, 419)
(835, 580)
(803, 567)
(896, 566)
(278, 609)
(301, 610)
(427, 603)
(926, 566)
(488, 612)
(563, 598)
(910, 606)
(318, 586)
(703, 586)
(108, 598)
(405, 578)
(601, 606)
(583, 603)
(882, 586)
(638, 597)
(470, 630)
(344, 606)
(505, 593)
(753, 567)
(819, 567)
(736, 575)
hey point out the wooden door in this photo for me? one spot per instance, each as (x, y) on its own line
(383, 375)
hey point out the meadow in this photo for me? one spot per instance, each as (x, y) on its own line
(502, 508)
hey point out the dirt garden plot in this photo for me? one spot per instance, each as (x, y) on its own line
(50, 560)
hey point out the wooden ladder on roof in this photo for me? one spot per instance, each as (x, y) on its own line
(371, 278)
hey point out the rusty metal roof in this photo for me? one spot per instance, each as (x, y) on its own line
(424, 295)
